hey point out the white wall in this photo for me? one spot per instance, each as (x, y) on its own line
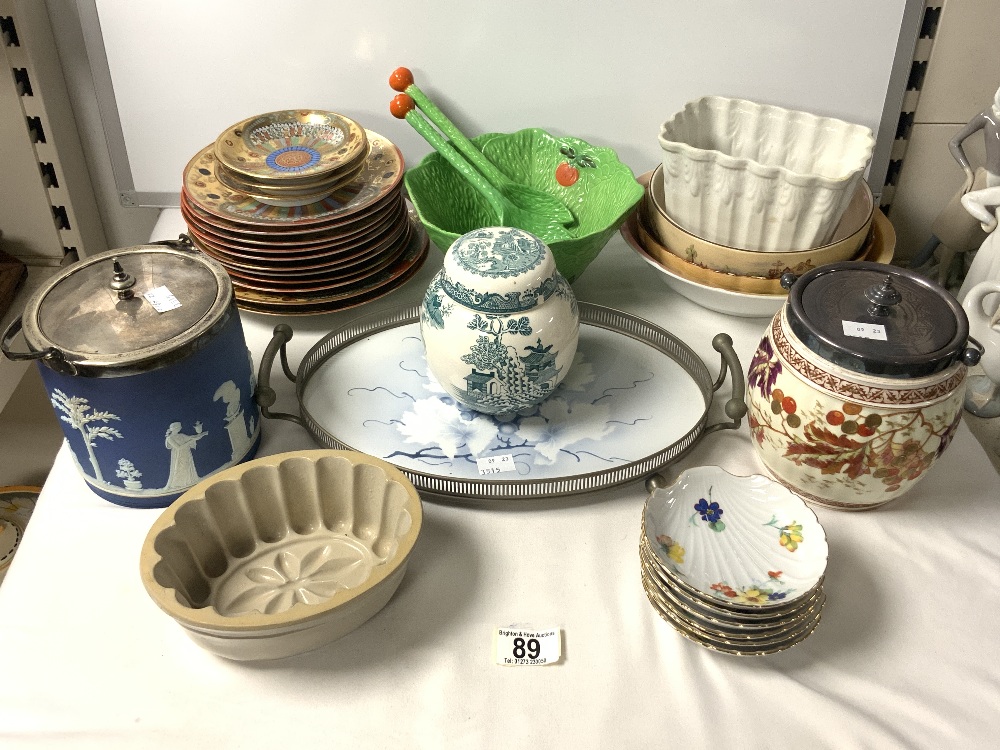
(607, 72)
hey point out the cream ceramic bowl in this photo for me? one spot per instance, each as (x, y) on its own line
(849, 236)
(760, 177)
(738, 303)
(282, 554)
(877, 243)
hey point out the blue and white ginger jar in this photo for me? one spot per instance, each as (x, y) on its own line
(500, 324)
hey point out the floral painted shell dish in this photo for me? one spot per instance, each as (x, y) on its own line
(743, 541)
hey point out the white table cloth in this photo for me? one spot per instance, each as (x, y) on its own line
(907, 654)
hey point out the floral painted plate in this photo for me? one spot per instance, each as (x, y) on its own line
(743, 637)
(635, 399)
(730, 605)
(742, 542)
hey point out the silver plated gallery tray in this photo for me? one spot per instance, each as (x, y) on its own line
(635, 400)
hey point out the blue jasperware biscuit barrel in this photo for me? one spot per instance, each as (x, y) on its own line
(143, 356)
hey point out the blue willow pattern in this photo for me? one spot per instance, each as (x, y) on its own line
(502, 253)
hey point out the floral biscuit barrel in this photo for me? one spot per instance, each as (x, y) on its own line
(857, 386)
(500, 324)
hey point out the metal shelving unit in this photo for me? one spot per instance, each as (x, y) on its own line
(48, 213)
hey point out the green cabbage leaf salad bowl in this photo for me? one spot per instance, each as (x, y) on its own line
(597, 188)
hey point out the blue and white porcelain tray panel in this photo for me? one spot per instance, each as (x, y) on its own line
(634, 400)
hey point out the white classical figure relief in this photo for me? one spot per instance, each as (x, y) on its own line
(240, 432)
(183, 472)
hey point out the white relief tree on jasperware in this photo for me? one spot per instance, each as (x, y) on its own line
(74, 411)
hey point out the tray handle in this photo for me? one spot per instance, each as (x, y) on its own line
(265, 395)
(735, 408)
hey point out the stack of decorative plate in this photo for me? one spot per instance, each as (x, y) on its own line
(735, 564)
(305, 219)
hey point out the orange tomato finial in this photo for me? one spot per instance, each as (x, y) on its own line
(401, 79)
(400, 105)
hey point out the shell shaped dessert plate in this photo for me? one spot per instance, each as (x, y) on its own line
(770, 637)
(719, 617)
(734, 563)
(738, 541)
(728, 646)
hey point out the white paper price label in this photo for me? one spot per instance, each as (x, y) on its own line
(519, 647)
(864, 330)
(161, 299)
(495, 464)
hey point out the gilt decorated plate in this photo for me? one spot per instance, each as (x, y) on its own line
(381, 174)
(290, 143)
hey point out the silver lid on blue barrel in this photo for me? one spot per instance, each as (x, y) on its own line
(128, 310)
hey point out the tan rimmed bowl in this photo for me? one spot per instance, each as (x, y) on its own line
(283, 554)
(850, 234)
(742, 304)
(879, 245)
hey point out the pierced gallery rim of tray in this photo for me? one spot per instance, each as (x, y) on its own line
(366, 387)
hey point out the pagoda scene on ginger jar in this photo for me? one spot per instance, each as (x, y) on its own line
(499, 323)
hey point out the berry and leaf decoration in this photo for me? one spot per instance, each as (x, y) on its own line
(847, 441)
(568, 171)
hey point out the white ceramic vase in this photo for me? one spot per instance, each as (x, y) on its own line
(760, 177)
(499, 323)
(983, 398)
